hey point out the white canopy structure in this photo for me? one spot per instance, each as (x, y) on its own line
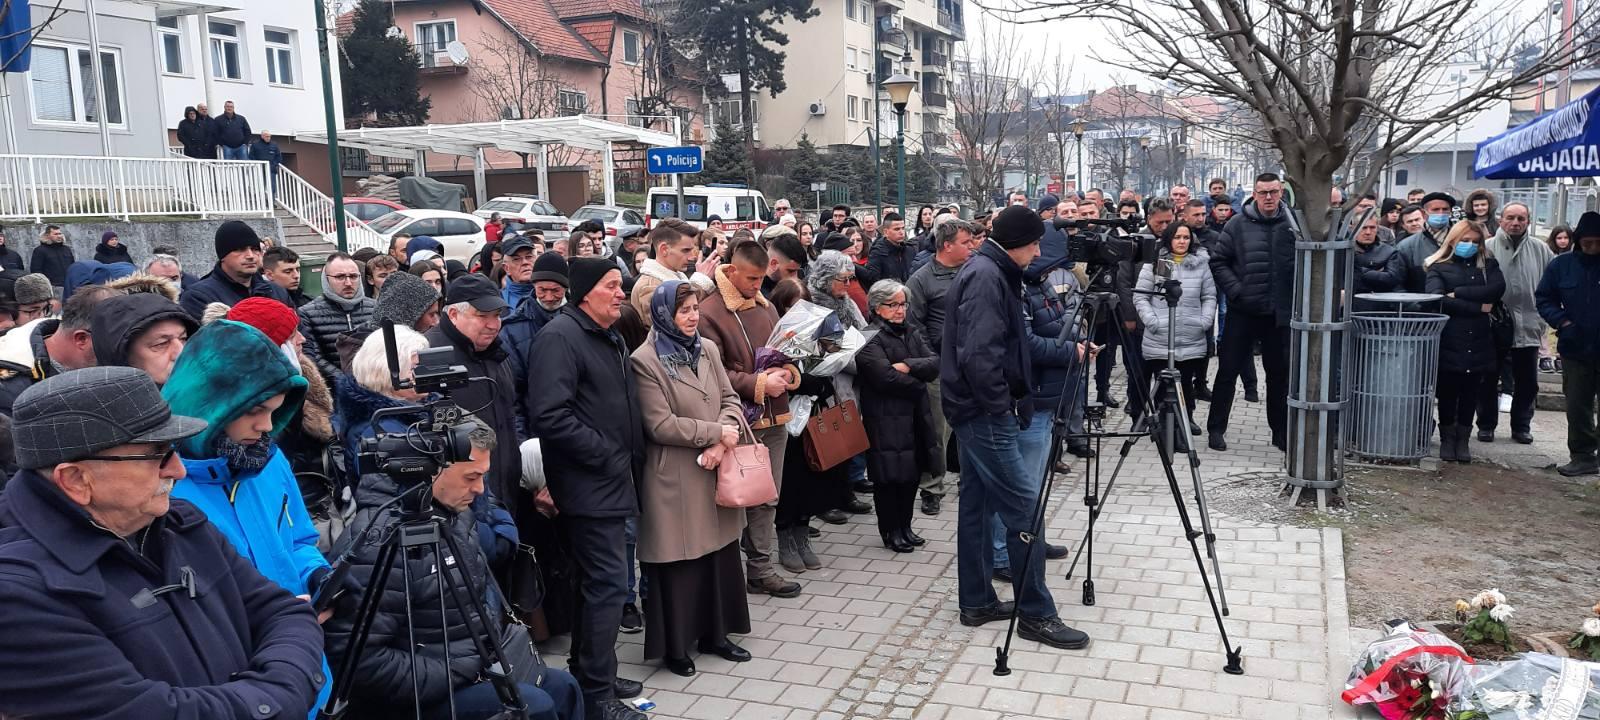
(524, 136)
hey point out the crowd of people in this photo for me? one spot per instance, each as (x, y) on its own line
(609, 383)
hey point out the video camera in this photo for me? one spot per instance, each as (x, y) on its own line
(1105, 248)
(436, 435)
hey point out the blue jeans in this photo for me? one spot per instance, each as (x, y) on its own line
(858, 469)
(996, 481)
(557, 699)
(631, 536)
(239, 153)
(1035, 445)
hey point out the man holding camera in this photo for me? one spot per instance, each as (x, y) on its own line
(985, 379)
(449, 668)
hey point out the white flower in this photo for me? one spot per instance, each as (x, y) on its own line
(1501, 613)
(1488, 598)
(1591, 627)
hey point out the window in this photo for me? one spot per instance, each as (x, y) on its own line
(630, 47)
(227, 63)
(728, 110)
(849, 58)
(635, 112)
(851, 110)
(280, 56)
(571, 102)
(62, 82)
(425, 226)
(850, 9)
(1402, 177)
(432, 38)
(171, 45)
(630, 217)
(458, 226)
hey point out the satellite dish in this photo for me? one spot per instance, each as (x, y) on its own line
(394, 31)
(457, 52)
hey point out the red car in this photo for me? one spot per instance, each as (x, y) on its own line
(368, 209)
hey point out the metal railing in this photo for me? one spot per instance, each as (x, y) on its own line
(308, 205)
(1553, 204)
(41, 187)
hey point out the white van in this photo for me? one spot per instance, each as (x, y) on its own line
(738, 206)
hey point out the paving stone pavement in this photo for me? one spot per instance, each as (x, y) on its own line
(875, 634)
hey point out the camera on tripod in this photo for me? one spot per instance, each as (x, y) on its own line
(435, 435)
(1105, 248)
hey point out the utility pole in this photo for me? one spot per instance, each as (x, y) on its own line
(335, 171)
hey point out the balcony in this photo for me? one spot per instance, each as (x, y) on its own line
(934, 61)
(434, 61)
(935, 140)
(950, 18)
(935, 100)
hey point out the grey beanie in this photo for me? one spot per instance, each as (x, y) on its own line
(403, 298)
(33, 288)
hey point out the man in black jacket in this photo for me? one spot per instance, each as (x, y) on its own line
(52, 257)
(232, 132)
(236, 275)
(589, 407)
(9, 259)
(48, 347)
(985, 375)
(471, 325)
(445, 672)
(891, 256)
(341, 309)
(1253, 263)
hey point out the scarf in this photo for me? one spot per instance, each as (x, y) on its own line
(675, 349)
(349, 306)
(1177, 258)
(515, 293)
(245, 459)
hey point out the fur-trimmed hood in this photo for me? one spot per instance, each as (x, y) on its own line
(142, 283)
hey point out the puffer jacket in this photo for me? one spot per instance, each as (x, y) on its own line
(887, 260)
(1414, 253)
(1467, 344)
(1523, 264)
(1197, 307)
(1253, 263)
(517, 334)
(895, 408)
(322, 321)
(1379, 269)
(1054, 360)
(1569, 292)
(24, 360)
(383, 685)
(985, 369)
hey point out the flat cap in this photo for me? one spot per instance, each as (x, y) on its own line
(77, 414)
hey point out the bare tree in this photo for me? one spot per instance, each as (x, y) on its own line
(988, 115)
(1328, 79)
(1129, 127)
(511, 82)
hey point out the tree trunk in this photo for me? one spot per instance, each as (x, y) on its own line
(746, 104)
(1316, 371)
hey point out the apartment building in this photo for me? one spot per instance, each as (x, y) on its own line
(834, 62)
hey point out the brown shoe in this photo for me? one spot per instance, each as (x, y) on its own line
(774, 586)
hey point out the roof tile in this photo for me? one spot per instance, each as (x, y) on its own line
(599, 33)
(538, 22)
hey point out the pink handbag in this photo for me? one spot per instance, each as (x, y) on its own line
(744, 477)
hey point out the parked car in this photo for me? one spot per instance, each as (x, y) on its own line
(612, 217)
(460, 233)
(527, 211)
(367, 209)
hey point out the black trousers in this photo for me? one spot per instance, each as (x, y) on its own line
(1459, 393)
(1190, 374)
(1239, 335)
(597, 551)
(894, 503)
(1580, 382)
(1523, 366)
(1106, 337)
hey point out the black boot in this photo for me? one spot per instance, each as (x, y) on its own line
(893, 541)
(1463, 443)
(1447, 443)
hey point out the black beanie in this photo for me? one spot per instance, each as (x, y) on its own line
(1016, 226)
(1447, 197)
(550, 267)
(585, 273)
(1588, 226)
(233, 236)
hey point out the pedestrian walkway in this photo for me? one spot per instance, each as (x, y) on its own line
(875, 635)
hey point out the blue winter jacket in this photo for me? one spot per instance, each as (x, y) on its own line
(985, 368)
(517, 333)
(1569, 291)
(1055, 362)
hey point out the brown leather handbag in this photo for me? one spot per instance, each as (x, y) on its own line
(833, 435)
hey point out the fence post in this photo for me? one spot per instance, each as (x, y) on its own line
(122, 190)
(33, 189)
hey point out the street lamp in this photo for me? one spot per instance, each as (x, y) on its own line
(1078, 126)
(1144, 165)
(894, 37)
(900, 86)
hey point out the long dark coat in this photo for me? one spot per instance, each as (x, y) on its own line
(1467, 344)
(895, 406)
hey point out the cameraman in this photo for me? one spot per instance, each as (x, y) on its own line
(447, 663)
(1159, 216)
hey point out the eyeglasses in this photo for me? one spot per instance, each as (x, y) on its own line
(892, 305)
(846, 278)
(345, 277)
(164, 456)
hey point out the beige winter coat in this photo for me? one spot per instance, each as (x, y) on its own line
(680, 519)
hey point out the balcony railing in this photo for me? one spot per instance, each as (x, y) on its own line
(934, 60)
(934, 140)
(41, 187)
(304, 201)
(935, 99)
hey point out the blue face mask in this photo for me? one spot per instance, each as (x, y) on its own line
(1438, 220)
(1466, 251)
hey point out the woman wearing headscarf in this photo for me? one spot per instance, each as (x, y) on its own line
(895, 369)
(688, 545)
(111, 250)
(832, 275)
(1471, 282)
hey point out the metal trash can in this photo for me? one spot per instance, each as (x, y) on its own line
(1396, 370)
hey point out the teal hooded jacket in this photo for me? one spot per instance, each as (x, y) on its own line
(225, 370)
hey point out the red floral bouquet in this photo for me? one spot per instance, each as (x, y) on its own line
(1413, 675)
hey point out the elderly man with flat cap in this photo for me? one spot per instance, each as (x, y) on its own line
(120, 603)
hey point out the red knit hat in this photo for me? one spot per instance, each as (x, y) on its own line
(272, 318)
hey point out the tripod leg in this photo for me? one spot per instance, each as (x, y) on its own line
(500, 670)
(360, 631)
(1235, 664)
(1033, 540)
(411, 634)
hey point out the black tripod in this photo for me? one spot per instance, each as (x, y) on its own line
(419, 529)
(1161, 425)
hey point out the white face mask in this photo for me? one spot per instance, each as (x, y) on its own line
(291, 352)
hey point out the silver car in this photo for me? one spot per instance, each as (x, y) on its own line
(614, 218)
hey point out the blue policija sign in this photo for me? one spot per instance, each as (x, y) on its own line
(675, 160)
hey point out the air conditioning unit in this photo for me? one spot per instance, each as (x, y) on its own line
(817, 108)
